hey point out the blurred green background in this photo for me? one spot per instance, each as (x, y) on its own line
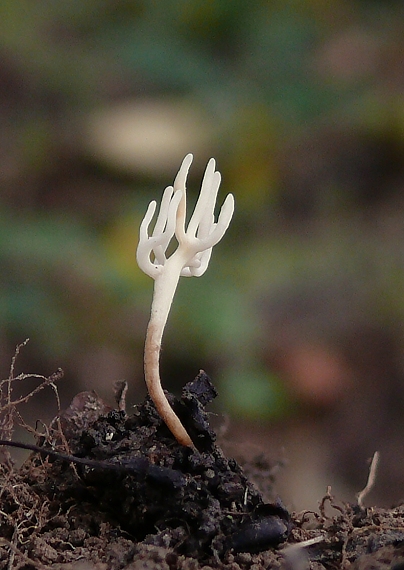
(302, 105)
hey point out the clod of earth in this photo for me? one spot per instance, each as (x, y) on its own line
(196, 502)
(131, 497)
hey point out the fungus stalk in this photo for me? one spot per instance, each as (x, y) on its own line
(191, 258)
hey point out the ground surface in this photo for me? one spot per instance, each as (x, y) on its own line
(137, 500)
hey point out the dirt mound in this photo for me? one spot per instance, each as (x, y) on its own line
(108, 490)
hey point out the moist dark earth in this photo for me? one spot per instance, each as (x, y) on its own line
(108, 490)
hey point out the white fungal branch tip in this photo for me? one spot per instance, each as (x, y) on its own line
(194, 244)
(191, 258)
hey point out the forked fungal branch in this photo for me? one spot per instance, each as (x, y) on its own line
(191, 258)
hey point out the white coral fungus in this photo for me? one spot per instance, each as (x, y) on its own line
(191, 258)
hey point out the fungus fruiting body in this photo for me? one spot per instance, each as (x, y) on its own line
(191, 258)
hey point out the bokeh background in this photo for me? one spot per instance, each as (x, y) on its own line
(299, 319)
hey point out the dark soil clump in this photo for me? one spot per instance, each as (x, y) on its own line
(126, 477)
(115, 491)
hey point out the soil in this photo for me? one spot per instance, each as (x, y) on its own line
(105, 490)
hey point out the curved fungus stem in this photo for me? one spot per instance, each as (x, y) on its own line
(191, 258)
